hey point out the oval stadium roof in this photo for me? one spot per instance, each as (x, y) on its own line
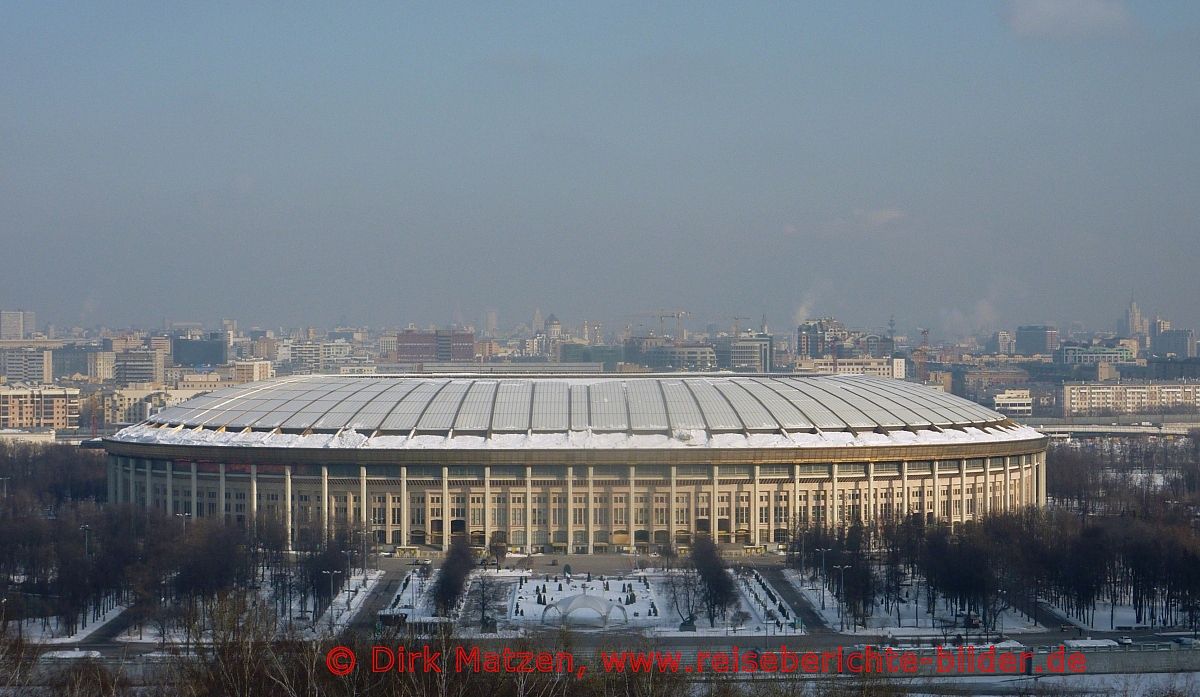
(643, 411)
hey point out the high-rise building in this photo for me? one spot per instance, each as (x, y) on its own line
(1002, 343)
(252, 371)
(1180, 343)
(1134, 323)
(140, 366)
(417, 345)
(491, 324)
(12, 325)
(1033, 340)
(29, 365)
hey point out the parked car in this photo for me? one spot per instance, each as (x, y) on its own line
(1125, 641)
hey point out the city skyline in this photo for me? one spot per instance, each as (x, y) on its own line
(961, 166)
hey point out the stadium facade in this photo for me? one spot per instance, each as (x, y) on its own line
(576, 463)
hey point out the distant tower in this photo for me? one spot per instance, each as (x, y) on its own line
(491, 324)
(553, 328)
(539, 325)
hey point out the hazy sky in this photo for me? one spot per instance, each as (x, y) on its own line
(957, 164)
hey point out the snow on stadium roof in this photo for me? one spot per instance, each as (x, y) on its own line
(645, 411)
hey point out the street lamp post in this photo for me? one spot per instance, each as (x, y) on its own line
(331, 574)
(822, 550)
(842, 593)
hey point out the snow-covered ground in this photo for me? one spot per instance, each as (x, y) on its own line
(49, 631)
(915, 619)
(1109, 618)
(346, 606)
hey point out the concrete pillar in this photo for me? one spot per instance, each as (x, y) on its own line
(487, 507)
(195, 494)
(570, 521)
(254, 497)
(528, 509)
(693, 495)
(1040, 459)
(405, 504)
(755, 532)
(834, 503)
(937, 492)
(170, 488)
(221, 492)
(111, 469)
(287, 507)
(1005, 505)
(962, 491)
(713, 508)
(591, 512)
(987, 487)
(671, 508)
(324, 502)
(629, 508)
(904, 507)
(132, 480)
(445, 507)
(149, 483)
(796, 495)
(1023, 499)
(870, 507)
(364, 517)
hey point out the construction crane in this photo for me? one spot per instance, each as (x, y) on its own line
(678, 315)
(921, 356)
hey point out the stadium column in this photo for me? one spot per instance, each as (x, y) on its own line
(962, 491)
(254, 497)
(870, 507)
(671, 511)
(937, 490)
(221, 491)
(755, 533)
(796, 497)
(149, 484)
(1023, 498)
(195, 494)
(528, 509)
(287, 508)
(487, 503)
(113, 482)
(169, 503)
(904, 507)
(132, 480)
(1040, 459)
(987, 486)
(570, 507)
(629, 509)
(591, 511)
(445, 508)
(713, 524)
(324, 502)
(404, 504)
(834, 505)
(1004, 500)
(693, 495)
(362, 496)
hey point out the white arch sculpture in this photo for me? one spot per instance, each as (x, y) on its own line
(585, 602)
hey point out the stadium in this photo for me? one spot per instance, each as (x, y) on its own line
(579, 464)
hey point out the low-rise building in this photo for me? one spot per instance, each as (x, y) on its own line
(38, 406)
(1013, 402)
(879, 367)
(1094, 399)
